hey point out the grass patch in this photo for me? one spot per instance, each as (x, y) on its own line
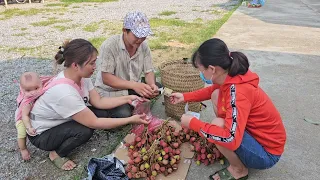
(9, 13)
(19, 34)
(58, 5)
(111, 27)
(157, 22)
(63, 28)
(157, 43)
(24, 50)
(97, 41)
(213, 26)
(167, 13)
(48, 22)
(216, 12)
(80, 1)
(179, 39)
(75, 7)
(188, 33)
(198, 20)
(92, 27)
(23, 29)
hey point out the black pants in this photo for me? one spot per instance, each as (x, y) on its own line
(67, 136)
(122, 111)
(62, 138)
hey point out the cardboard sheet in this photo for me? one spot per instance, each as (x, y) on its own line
(183, 167)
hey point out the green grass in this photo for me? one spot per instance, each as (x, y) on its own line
(198, 20)
(23, 29)
(24, 50)
(157, 43)
(63, 28)
(9, 13)
(97, 41)
(48, 22)
(157, 22)
(58, 5)
(19, 34)
(167, 13)
(92, 27)
(80, 1)
(217, 12)
(189, 33)
(111, 27)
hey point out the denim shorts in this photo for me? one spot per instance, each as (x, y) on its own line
(253, 155)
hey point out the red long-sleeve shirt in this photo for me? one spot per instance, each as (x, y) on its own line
(244, 106)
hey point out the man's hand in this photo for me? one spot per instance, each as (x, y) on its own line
(155, 90)
(139, 119)
(143, 90)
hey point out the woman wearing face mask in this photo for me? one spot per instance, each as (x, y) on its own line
(247, 129)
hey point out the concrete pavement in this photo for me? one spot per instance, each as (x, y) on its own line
(282, 42)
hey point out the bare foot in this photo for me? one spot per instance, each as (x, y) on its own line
(236, 173)
(25, 154)
(67, 166)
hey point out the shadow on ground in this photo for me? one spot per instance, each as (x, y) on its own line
(291, 81)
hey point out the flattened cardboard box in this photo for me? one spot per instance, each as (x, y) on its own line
(183, 167)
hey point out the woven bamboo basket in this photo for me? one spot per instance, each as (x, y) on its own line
(180, 76)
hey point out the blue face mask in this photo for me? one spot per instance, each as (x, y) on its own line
(204, 79)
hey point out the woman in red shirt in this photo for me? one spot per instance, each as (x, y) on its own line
(247, 129)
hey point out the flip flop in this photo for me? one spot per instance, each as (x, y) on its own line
(226, 175)
(59, 162)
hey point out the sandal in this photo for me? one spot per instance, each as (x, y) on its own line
(60, 161)
(226, 175)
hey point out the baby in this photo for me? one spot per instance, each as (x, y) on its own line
(30, 85)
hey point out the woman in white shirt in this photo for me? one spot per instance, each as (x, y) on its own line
(61, 116)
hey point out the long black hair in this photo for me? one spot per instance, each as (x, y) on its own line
(215, 52)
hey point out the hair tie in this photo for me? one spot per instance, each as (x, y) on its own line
(230, 55)
(61, 49)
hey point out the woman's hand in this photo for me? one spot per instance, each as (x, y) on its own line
(139, 119)
(31, 131)
(131, 98)
(185, 120)
(176, 98)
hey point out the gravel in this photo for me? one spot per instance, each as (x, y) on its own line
(47, 38)
(13, 64)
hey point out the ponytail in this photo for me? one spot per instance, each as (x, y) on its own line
(215, 52)
(239, 64)
(59, 56)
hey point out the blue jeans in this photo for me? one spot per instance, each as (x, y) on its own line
(253, 155)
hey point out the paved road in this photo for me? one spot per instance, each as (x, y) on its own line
(282, 42)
